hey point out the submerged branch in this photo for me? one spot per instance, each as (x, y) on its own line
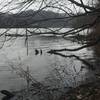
(76, 49)
(77, 57)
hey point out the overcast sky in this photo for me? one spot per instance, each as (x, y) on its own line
(7, 5)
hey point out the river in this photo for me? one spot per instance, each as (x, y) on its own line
(43, 66)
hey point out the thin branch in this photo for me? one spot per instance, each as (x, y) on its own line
(81, 5)
(77, 57)
(76, 49)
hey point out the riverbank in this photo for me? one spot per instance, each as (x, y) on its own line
(89, 91)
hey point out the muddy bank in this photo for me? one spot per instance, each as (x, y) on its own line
(89, 91)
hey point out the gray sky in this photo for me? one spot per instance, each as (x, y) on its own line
(64, 3)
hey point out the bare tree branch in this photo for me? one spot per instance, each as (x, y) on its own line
(81, 5)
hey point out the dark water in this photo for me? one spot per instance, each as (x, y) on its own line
(52, 69)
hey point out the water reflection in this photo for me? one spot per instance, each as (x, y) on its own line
(54, 70)
(90, 66)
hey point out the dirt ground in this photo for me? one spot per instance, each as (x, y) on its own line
(90, 91)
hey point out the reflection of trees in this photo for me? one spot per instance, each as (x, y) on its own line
(78, 21)
(71, 73)
(79, 15)
(71, 56)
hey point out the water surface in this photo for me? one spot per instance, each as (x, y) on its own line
(52, 69)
